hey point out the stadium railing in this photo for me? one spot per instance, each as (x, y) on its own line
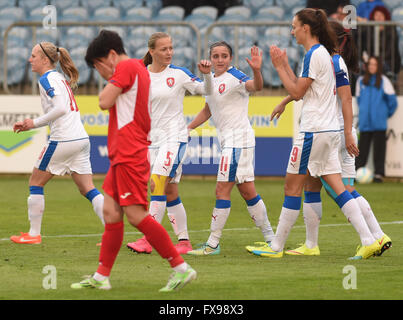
(233, 28)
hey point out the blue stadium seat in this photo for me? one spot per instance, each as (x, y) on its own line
(92, 5)
(154, 5)
(19, 37)
(288, 5)
(243, 53)
(184, 57)
(76, 14)
(140, 52)
(270, 75)
(29, 5)
(182, 36)
(240, 11)
(138, 38)
(208, 11)
(392, 4)
(125, 5)
(255, 5)
(16, 70)
(77, 55)
(273, 13)
(106, 14)
(199, 20)
(138, 14)
(48, 35)
(170, 13)
(247, 36)
(64, 4)
(36, 14)
(7, 4)
(77, 36)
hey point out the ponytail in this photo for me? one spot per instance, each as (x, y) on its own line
(319, 26)
(147, 59)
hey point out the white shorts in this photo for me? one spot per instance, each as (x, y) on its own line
(61, 157)
(237, 165)
(317, 152)
(347, 161)
(167, 160)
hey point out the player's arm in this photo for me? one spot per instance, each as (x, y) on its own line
(256, 64)
(280, 108)
(344, 93)
(108, 96)
(201, 118)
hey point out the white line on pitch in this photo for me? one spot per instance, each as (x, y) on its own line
(197, 231)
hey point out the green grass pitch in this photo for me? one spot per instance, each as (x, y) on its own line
(71, 230)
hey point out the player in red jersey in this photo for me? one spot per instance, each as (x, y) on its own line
(126, 96)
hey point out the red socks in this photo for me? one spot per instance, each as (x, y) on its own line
(159, 238)
(111, 242)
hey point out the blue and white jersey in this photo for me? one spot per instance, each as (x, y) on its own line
(55, 92)
(229, 110)
(168, 90)
(319, 110)
(342, 79)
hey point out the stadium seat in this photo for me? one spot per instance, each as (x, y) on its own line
(154, 5)
(76, 14)
(273, 13)
(138, 14)
(18, 37)
(243, 11)
(247, 36)
(170, 13)
(29, 5)
(255, 5)
(92, 5)
(7, 4)
(36, 14)
(16, 68)
(392, 4)
(182, 36)
(64, 4)
(199, 20)
(106, 14)
(288, 5)
(125, 5)
(140, 52)
(208, 11)
(47, 35)
(243, 53)
(184, 57)
(397, 14)
(138, 38)
(270, 75)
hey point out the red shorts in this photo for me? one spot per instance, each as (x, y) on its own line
(127, 183)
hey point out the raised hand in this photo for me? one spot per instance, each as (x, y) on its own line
(204, 66)
(278, 57)
(256, 58)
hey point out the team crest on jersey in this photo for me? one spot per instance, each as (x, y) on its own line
(221, 88)
(170, 82)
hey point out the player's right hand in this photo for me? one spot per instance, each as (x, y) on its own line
(204, 66)
(277, 111)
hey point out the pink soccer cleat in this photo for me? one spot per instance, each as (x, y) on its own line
(183, 246)
(140, 246)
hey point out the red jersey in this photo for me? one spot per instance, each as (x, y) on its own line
(129, 118)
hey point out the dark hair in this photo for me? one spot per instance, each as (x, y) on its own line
(317, 20)
(367, 75)
(382, 9)
(220, 44)
(101, 46)
(346, 46)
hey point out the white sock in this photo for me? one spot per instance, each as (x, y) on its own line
(97, 200)
(286, 222)
(181, 268)
(218, 220)
(178, 219)
(352, 211)
(157, 207)
(258, 213)
(312, 210)
(36, 206)
(369, 217)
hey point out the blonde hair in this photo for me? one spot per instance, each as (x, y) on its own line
(148, 59)
(61, 55)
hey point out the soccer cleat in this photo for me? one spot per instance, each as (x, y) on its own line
(26, 238)
(205, 250)
(90, 282)
(365, 252)
(140, 246)
(183, 246)
(258, 246)
(178, 280)
(267, 251)
(304, 251)
(385, 242)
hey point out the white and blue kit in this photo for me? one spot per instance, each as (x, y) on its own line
(68, 148)
(316, 148)
(169, 133)
(228, 105)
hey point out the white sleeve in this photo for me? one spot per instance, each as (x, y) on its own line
(387, 86)
(59, 109)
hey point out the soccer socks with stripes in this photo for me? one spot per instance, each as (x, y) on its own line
(159, 239)
(97, 200)
(368, 215)
(36, 206)
(218, 220)
(352, 211)
(177, 217)
(111, 243)
(288, 216)
(312, 210)
(157, 207)
(258, 213)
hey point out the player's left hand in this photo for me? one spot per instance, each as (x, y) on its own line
(103, 69)
(351, 147)
(204, 66)
(25, 125)
(256, 58)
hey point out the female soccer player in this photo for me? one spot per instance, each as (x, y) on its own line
(169, 135)
(228, 105)
(68, 148)
(346, 59)
(315, 150)
(127, 97)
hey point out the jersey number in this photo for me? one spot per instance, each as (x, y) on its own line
(294, 154)
(168, 160)
(73, 103)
